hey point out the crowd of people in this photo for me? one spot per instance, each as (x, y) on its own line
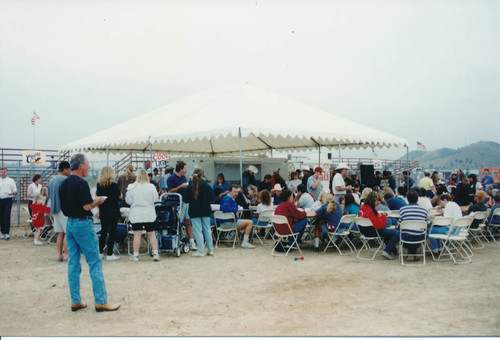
(68, 200)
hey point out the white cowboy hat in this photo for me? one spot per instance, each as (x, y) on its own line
(253, 169)
(305, 168)
(342, 166)
(277, 187)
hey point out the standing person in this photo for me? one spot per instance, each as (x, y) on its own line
(407, 181)
(198, 196)
(220, 182)
(228, 204)
(124, 180)
(7, 190)
(461, 192)
(487, 181)
(109, 212)
(177, 183)
(163, 180)
(141, 196)
(34, 189)
(314, 185)
(77, 203)
(474, 186)
(249, 178)
(339, 187)
(428, 185)
(378, 179)
(265, 184)
(156, 176)
(306, 173)
(60, 220)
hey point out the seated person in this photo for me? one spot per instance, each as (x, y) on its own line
(265, 184)
(413, 212)
(449, 209)
(294, 181)
(490, 219)
(277, 190)
(306, 199)
(351, 206)
(252, 194)
(228, 204)
(383, 207)
(423, 200)
(379, 221)
(329, 216)
(265, 204)
(342, 202)
(394, 203)
(217, 198)
(296, 218)
(479, 203)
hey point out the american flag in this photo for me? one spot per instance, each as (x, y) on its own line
(374, 153)
(421, 146)
(34, 118)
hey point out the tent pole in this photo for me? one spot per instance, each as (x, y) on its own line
(339, 152)
(319, 155)
(241, 160)
(408, 163)
(151, 156)
(107, 156)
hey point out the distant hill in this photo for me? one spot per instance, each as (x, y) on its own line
(474, 156)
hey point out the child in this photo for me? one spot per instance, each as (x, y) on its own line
(38, 217)
(329, 216)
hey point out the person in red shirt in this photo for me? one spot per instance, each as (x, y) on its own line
(38, 217)
(379, 221)
(288, 209)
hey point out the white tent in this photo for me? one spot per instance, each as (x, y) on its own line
(209, 123)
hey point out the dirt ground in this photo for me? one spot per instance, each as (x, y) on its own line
(248, 293)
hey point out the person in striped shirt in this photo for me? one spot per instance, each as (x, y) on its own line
(413, 212)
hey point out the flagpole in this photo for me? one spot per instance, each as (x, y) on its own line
(34, 136)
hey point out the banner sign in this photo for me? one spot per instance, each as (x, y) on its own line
(377, 164)
(33, 157)
(160, 159)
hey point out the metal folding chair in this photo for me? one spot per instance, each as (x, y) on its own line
(368, 234)
(476, 230)
(342, 235)
(225, 222)
(454, 241)
(494, 229)
(412, 233)
(264, 222)
(281, 220)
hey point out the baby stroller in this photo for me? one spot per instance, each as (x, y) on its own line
(169, 228)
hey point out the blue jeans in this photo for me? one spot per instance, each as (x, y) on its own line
(81, 237)
(390, 239)
(201, 228)
(299, 227)
(436, 244)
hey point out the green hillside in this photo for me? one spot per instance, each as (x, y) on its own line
(474, 156)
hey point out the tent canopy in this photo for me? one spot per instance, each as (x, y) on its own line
(208, 123)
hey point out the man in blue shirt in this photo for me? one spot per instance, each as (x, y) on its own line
(228, 204)
(407, 181)
(413, 212)
(487, 180)
(177, 183)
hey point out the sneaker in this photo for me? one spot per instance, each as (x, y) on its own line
(38, 243)
(7, 236)
(386, 255)
(3, 237)
(156, 257)
(112, 257)
(315, 249)
(197, 254)
(101, 256)
(192, 246)
(134, 258)
(211, 253)
(247, 245)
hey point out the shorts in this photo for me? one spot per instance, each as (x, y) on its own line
(185, 212)
(60, 222)
(149, 226)
(238, 223)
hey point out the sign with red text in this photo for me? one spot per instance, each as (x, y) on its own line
(160, 159)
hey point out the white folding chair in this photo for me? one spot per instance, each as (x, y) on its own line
(283, 237)
(454, 241)
(412, 233)
(343, 235)
(494, 229)
(368, 234)
(228, 225)
(476, 229)
(30, 231)
(263, 222)
(48, 232)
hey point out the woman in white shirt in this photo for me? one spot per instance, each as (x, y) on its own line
(34, 189)
(141, 196)
(449, 209)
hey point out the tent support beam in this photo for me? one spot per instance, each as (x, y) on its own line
(319, 150)
(269, 146)
(408, 164)
(107, 156)
(241, 160)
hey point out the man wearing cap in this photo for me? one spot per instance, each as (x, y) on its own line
(314, 185)
(249, 178)
(306, 173)
(338, 185)
(60, 220)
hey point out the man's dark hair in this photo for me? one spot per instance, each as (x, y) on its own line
(233, 186)
(402, 191)
(179, 166)
(388, 196)
(405, 172)
(285, 194)
(302, 188)
(63, 166)
(377, 172)
(267, 177)
(150, 175)
(412, 196)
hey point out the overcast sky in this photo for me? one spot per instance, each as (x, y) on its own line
(422, 70)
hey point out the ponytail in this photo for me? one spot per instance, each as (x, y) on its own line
(196, 182)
